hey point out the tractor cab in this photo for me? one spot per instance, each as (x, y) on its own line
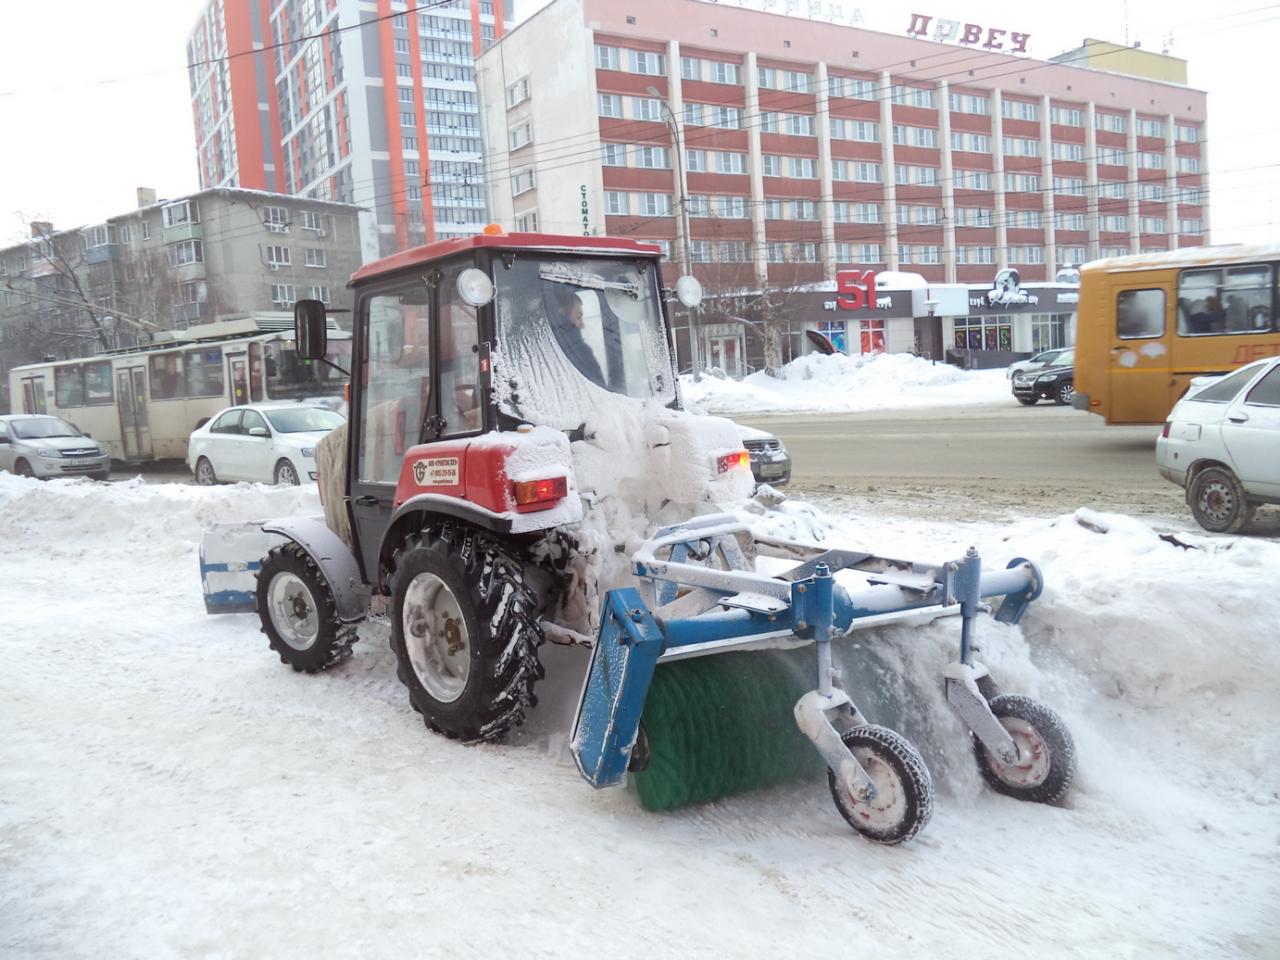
(476, 361)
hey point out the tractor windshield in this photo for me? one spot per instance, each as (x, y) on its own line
(571, 330)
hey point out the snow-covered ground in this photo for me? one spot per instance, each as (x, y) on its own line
(843, 384)
(168, 788)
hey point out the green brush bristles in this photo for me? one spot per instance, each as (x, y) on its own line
(724, 724)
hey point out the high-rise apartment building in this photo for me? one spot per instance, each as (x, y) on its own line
(371, 102)
(802, 147)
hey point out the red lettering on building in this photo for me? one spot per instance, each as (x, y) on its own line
(993, 41)
(919, 25)
(1019, 41)
(856, 289)
(972, 33)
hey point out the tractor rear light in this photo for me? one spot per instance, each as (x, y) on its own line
(730, 460)
(540, 494)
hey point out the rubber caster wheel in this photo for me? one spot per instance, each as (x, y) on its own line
(1046, 762)
(904, 790)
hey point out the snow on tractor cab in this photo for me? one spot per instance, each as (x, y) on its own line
(517, 468)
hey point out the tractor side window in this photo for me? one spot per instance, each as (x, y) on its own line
(396, 381)
(459, 358)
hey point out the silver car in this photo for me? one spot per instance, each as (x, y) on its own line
(41, 446)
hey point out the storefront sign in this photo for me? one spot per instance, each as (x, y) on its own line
(968, 34)
(856, 289)
(1006, 291)
(586, 212)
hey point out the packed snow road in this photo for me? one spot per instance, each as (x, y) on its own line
(168, 788)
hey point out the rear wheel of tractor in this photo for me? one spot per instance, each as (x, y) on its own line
(465, 633)
(205, 476)
(904, 789)
(298, 612)
(1064, 394)
(1046, 762)
(1218, 501)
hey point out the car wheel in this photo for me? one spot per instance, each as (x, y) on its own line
(205, 476)
(23, 469)
(286, 474)
(1064, 394)
(1218, 501)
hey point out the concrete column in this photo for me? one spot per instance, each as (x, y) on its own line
(826, 206)
(887, 163)
(1171, 181)
(1000, 212)
(949, 252)
(752, 121)
(1091, 185)
(1046, 184)
(1131, 145)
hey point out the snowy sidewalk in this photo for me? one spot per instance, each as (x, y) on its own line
(169, 789)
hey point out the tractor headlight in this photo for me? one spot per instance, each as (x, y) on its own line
(48, 453)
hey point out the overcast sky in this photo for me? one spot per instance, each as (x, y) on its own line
(94, 102)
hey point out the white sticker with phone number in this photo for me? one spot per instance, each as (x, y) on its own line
(436, 472)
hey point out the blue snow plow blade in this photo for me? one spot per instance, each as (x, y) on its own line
(230, 558)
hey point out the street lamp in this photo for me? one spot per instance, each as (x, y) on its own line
(670, 120)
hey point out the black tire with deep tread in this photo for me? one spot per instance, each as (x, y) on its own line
(1057, 738)
(333, 644)
(488, 581)
(1240, 517)
(912, 774)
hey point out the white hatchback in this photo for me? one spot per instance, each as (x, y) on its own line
(1221, 443)
(264, 442)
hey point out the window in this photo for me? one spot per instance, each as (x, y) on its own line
(768, 122)
(862, 131)
(1187, 134)
(919, 253)
(972, 179)
(700, 251)
(1019, 109)
(610, 105)
(406, 118)
(647, 64)
(176, 214)
(1111, 156)
(695, 161)
(1152, 190)
(923, 216)
(1113, 252)
(969, 103)
(851, 87)
(1112, 122)
(699, 206)
(1066, 116)
(804, 210)
(646, 108)
(97, 383)
(1150, 128)
(655, 204)
(771, 166)
(724, 73)
(866, 172)
(914, 136)
(314, 257)
(283, 295)
(804, 252)
(776, 252)
(767, 77)
(167, 379)
(1188, 164)
(68, 386)
(1266, 393)
(188, 251)
(1070, 221)
(732, 208)
(405, 94)
(459, 361)
(976, 255)
(204, 373)
(606, 57)
(1113, 189)
(653, 158)
(1189, 196)
(803, 168)
(528, 222)
(971, 142)
(973, 217)
(1190, 227)
(316, 221)
(907, 173)
(1020, 147)
(733, 251)
(320, 292)
(1067, 151)
(773, 209)
(728, 118)
(1151, 161)
(1114, 224)
(799, 124)
(695, 114)
(1026, 219)
(1048, 332)
(276, 219)
(521, 136)
(1151, 225)
(912, 96)
(1225, 390)
(278, 256)
(613, 154)
(409, 143)
(867, 213)
(1069, 186)
(795, 81)
(1139, 314)
(397, 364)
(731, 162)
(518, 91)
(404, 71)
(616, 203)
(1026, 255)
(690, 68)
(859, 253)
(99, 236)
(1225, 301)
(123, 232)
(522, 182)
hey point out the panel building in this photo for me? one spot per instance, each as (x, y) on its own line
(370, 102)
(802, 148)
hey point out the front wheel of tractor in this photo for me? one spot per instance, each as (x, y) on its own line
(1046, 762)
(904, 790)
(298, 612)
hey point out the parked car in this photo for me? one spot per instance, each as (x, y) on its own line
(1052, 383)
(264, 442)
(1062, 357)
(43, 446)
(770, 462)
(1221, 444)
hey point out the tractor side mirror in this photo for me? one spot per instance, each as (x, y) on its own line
(310, 329)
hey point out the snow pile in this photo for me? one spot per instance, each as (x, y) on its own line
(839, 383)
(165, 781)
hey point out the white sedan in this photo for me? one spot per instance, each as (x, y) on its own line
(1221, 443)
(1062, 357)
(264, 442)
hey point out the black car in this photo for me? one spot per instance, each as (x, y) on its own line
(1052, 383)
(770, 462)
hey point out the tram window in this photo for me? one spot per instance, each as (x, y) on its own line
(166, 376)
(97, 383)
(68, 386)
(204, 373)
(255, 372)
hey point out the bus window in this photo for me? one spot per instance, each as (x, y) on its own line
(97, 383)
(166, 376)
(1139, 314)
(255, 371)
(1248, 299)
(1234, 300)
(68, 386)
(204, 373)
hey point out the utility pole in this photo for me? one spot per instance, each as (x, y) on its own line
(695, 352)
